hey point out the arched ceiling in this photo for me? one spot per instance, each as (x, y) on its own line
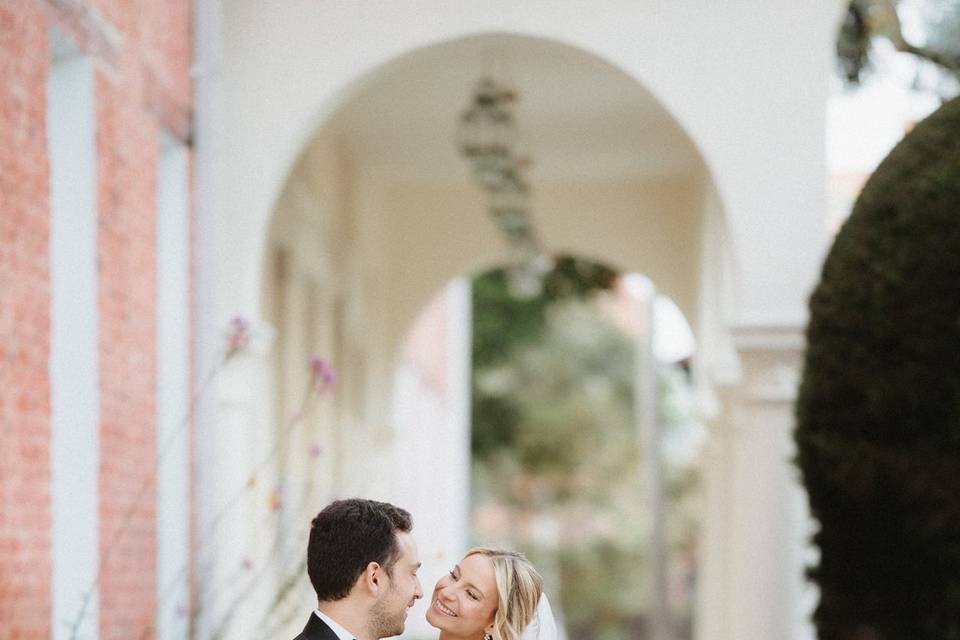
(614, 176)
(578, 117)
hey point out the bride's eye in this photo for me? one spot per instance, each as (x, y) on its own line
(472, 595)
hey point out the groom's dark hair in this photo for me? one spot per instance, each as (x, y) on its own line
(347, 536)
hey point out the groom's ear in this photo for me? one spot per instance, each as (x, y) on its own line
(372, 578)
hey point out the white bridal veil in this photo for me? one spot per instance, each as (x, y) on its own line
(543, 626)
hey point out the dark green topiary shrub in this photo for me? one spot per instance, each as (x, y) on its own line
(878, 430)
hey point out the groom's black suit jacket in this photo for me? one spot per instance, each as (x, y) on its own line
(316, 629)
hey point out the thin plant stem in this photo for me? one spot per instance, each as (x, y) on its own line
(141, 491)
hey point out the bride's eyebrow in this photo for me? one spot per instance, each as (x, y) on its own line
(456, 568)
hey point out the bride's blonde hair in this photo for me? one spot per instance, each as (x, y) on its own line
(519, 586)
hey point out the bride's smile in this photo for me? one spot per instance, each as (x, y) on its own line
(443, 608)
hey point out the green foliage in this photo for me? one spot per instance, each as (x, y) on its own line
(571, 395)
(554, 437)
(504, 323)
(853, 44)
(555, 441)
(878, 430)
(938, 41)
(504, 320)
(605, 576)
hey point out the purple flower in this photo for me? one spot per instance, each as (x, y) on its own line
(239, 337)
(324, 376)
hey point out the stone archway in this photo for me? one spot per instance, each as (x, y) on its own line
(378, 212)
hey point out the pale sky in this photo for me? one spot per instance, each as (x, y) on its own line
(863, 124)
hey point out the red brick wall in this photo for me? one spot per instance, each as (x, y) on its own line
(127, 152)
(142, 85)
(24, 326)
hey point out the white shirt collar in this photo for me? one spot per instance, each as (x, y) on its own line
(342, 633)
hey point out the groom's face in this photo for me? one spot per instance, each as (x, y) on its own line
(401, 591)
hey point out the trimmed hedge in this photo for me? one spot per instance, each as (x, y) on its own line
(878, 430)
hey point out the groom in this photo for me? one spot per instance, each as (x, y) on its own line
(363, 564)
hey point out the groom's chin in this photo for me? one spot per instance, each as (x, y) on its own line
(401, 624)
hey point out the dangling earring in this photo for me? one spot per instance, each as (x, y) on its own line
(487, 636)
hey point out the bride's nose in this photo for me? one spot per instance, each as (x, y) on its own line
(446, 591)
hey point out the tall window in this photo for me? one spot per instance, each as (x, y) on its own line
(173, 390)
(74, 370)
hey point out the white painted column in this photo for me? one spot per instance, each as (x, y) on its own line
(74, 344)
(713, 573)
(767, 523)
(432, 441)
(217, 449)
(173, 391)
(647, 417)
(716, 372)
(459, 371)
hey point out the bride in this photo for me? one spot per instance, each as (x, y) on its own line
(491, 594)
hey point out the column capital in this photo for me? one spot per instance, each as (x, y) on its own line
(770, 360)
(768, 338)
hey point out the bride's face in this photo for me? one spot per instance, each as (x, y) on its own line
(465, 600)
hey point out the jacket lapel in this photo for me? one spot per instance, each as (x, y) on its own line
(317, 629)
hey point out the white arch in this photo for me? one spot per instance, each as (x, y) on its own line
(291, 64)
(656, 227)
